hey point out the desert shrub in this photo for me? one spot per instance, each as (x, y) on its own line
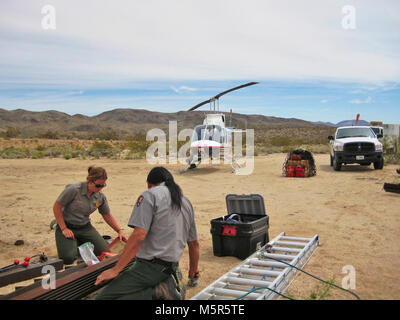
(137, 136)
(105, 135)
(101, 149)
(10, 132)
(41, 147)
(35, 154)
(281, 141)
(49, 134)
(317, 148)
(391, 148)
(136, 146)
(266, 149)
(15, 153)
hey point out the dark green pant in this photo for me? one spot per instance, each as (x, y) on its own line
(68, 248)
(135, 283)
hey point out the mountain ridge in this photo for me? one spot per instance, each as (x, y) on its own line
(127, 121)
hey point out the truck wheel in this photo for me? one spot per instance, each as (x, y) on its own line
(336, 165)
(379, 164)
(331, 160)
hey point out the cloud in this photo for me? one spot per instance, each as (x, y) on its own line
(358, 101)
(324, 101)
(182, 89)
(100, 43)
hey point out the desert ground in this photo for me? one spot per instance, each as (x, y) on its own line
(357, 222)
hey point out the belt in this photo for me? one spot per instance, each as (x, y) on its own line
(74, 226)
(168, 265)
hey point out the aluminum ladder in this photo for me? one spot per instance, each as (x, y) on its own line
(259, 271)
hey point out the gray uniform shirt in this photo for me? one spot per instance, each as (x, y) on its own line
(169, 230)
(78, 205)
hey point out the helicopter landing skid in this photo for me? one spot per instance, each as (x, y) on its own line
(235, 166)
(191, 167)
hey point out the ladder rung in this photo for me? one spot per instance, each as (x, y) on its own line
(260, 272)
(294, 244)
(285, 249)
(252, 276)
(266, 263)
(295, 238)
(215, 297)
(258, 283)
(234, 293)
(278, 256)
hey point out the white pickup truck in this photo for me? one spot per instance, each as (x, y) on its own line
(358, 144)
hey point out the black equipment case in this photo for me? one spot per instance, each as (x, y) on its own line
(244, 229)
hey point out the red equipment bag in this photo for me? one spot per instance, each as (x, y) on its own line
(290, 171)
(300, 171)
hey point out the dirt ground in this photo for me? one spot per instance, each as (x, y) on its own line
(357, 222)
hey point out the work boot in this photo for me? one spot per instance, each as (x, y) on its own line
(166, 290)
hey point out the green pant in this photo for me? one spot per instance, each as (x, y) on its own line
(68, 248)
(135, 283)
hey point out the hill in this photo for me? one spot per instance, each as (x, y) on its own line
(125, 122)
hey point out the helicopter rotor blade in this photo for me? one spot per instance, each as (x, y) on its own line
(221, 94)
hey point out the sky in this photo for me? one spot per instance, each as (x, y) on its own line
(314, 60)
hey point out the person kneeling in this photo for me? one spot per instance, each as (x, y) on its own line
(163, 222)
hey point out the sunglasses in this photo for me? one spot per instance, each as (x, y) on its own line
(100, 185)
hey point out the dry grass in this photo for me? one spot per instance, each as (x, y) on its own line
(267, 140)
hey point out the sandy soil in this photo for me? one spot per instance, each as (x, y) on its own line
(357, 221)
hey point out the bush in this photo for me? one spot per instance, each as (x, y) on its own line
(281, 141)
(15, 153)
(37, 154)
(49, 134)
(106, 135)
(137, 146)
(10, 132)
(391, 149)
(101, 149)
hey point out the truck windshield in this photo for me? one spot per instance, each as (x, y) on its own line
(354, 132)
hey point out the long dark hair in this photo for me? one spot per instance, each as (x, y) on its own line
(160, 174)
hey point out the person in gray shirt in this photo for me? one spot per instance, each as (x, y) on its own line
(72, 210)
(163, 222)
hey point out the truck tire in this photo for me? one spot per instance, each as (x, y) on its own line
(336, 165)
(379, 164)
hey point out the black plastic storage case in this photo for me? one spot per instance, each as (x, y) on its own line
(244, 230)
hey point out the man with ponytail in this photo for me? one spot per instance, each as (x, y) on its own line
(163, 222)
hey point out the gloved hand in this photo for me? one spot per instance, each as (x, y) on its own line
(193, 280)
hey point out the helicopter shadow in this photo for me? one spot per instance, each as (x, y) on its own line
(199, 171)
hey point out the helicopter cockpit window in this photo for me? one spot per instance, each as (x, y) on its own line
(207, 132)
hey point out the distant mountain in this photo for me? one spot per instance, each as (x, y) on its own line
(330, 124)
(127, 121)
(343, 123)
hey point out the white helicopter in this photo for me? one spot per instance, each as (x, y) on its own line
(213, 136)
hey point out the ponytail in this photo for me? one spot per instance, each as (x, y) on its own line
(96, 173)
(160, 174)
